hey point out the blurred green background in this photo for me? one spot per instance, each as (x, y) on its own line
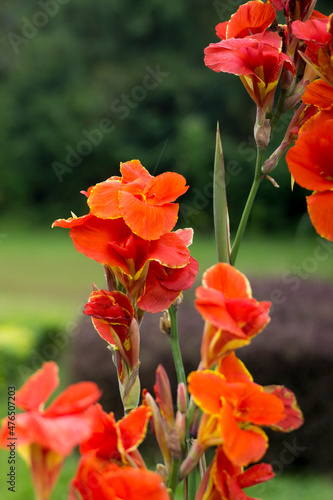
(83, 86)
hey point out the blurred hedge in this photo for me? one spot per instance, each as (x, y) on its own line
(85, 85)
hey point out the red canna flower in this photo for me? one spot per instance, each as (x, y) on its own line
(117, 441)
(310, 164)
(226, 481)
(251, 52)
(318, 36)
(112, 316)
(236, 408)
(232, 316)
(257, 60)
(143, 201)
(45, 436)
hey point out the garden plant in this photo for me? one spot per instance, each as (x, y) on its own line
(282, 50)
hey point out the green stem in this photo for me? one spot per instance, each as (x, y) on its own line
(279, 112)
(173, 478)
(247, 209)
(175, 348)
(192, 485)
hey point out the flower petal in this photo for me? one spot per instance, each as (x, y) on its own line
(132, 484)
(104, 199)
(71, 222)
(254, 475)
(170, 250)
(228, 280)
(234, 370)
(147, 221)
(212, 305)
(56, 434)
(310, 160)
(75, 399)
(163, 285)
(133, 428)
(165, 188)
(319, 93)
(38, 388)
(133, 170)
(293, 418)
(320, 207)
(250, 18)
(206, 388)
(104, 436)
(242, 446)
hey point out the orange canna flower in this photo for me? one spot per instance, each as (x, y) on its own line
(232, 316)
(310, 164)
(143, 201)
(45, 436)
(225, 481)
(112, 447)
(250, 18)
(236, 408)
(100, 480)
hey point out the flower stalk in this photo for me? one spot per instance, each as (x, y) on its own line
(248, 206)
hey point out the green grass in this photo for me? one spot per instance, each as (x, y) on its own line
(289, 487)
(44, 279)
(45, 282)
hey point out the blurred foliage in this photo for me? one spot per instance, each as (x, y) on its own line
(85, 85)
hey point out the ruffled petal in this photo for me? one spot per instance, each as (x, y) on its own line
(250, 18)
(133, 170)
(146, 220)
(165, 188)
(293, 417)
(228, 280)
